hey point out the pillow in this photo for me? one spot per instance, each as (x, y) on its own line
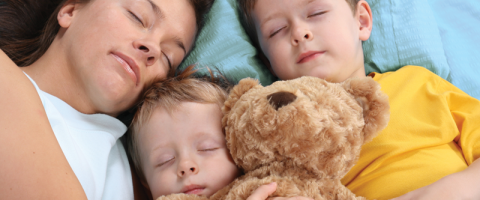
(440, 35)
(223, 44)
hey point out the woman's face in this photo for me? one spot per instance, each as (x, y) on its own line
(118, 47)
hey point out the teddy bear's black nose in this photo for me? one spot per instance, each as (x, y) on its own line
(280, 99)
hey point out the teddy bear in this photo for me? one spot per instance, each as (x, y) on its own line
(304, 134)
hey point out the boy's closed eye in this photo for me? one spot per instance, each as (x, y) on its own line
(317, 13)
(276, 31)
(313, 15)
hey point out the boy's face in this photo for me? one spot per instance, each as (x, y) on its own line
(321, 38)
(185, 151)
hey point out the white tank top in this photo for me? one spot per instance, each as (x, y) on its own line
(92, 147)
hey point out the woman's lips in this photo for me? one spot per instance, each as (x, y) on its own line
(308, 56)
(129, 65)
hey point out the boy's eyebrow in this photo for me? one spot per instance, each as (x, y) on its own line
(155, 8)
(270, 17)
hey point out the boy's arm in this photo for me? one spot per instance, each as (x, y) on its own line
(461, 185)
(33, 165)
(465, 111)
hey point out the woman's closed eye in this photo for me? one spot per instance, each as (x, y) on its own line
(136, 18)
(168, 60)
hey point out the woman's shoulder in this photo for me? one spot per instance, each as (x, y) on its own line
(30, 141)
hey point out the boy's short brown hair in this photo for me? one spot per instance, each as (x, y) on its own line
(168, 94)
(246, 7)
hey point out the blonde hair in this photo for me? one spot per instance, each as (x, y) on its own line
(246, 7)
(168, 94)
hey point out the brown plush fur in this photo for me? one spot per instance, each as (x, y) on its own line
(305, 134)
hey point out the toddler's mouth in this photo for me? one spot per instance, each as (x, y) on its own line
(193, 189)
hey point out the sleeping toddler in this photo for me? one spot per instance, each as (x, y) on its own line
(177, 143)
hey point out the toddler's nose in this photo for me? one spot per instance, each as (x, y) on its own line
(191, 170)
(187, 168)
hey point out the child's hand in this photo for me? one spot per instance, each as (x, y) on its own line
(461, 185)
(262, 193)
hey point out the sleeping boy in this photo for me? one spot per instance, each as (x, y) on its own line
(177, 143)
(430, 148)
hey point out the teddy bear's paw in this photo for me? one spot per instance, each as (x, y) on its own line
(182, 197)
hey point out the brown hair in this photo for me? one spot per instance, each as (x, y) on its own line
(245, 8)
(168, 94)
(28, 27)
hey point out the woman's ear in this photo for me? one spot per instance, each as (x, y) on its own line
(364, 16)
(66, 13)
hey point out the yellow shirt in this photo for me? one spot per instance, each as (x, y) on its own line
(434, 131)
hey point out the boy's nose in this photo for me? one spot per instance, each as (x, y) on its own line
(301, 35)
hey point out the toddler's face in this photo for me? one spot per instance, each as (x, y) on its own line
(185, 152)
(320, 38)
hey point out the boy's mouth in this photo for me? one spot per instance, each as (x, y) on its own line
(308, 56)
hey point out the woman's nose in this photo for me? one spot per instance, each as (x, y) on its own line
(149, 50)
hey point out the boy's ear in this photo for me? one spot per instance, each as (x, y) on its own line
(266, 62)
(66, 13)
(364, 16)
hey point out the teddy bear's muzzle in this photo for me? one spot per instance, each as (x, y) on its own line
(280, 99)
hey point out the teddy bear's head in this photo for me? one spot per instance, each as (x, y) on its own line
(308, 121)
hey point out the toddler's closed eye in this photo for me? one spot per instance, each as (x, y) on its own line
(209, 149)
(165, 161)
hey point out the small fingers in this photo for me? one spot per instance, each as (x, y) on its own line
(290, 198)
(262, 192)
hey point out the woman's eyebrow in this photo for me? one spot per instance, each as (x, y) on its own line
(180, 44)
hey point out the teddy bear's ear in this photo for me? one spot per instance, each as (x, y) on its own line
(376, 109)
(237, 91)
